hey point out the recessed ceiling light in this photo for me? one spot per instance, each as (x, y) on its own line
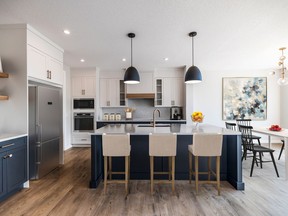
(124, 59)
(166, 59)
(82, 60)
(67, 32)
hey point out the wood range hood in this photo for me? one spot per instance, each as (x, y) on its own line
(140, 95)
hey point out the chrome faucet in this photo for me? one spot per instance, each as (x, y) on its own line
(153, 124)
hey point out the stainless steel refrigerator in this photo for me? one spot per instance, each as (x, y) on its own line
(45, 126)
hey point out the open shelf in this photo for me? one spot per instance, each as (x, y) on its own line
(4, 75)
(3, 97)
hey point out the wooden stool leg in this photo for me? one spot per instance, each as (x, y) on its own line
(151, 172)
(126, 173)
(218, 174)
(105, 174)
(190, 166)
(209, 168)
(110, 168)
(196, 174)
(170, 168)
(128, 168)
(173, 173)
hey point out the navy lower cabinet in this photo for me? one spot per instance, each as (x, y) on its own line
(13, 166)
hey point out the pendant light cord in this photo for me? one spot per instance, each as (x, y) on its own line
(131, 53)
(192, 50)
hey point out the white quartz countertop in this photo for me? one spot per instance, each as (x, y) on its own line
(9, 136)
(141, 120)
(182, 129)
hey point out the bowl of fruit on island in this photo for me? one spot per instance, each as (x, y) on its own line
(197, 117)
(275, 128)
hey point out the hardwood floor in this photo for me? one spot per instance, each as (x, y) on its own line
(65, 191)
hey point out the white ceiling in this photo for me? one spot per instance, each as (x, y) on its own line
(232, 34)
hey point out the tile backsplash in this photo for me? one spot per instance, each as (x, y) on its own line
(143, 109)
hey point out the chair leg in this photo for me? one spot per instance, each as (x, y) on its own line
(190, 166)
(196, 173)
(126, 173)
(244, 154)
(253, 161)
(282, 148)
(272, 157)
(110, 168)
(151, 173)
(105, 174)
(218, 174)
(170, 167)
(209, 168)
(173, 173)
(260, 158)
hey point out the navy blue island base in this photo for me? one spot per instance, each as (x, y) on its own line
(231, 165)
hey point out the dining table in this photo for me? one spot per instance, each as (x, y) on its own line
(283, 134)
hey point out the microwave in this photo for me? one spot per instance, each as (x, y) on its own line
(83, 103)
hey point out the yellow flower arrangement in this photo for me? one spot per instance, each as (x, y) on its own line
(197, 117)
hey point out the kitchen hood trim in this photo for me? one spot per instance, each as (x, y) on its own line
(140, 96)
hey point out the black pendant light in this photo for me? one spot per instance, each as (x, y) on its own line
(193, 75)
(131, 75)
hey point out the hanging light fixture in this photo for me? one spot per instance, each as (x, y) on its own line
(193, 75)
(282, 80)
(131, 75)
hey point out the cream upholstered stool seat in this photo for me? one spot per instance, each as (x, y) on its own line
(116, 145)
(163, 145)
(205, 145)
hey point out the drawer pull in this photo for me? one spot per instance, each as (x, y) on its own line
(8, 145)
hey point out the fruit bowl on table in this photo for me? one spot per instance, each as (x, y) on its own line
(276, 128)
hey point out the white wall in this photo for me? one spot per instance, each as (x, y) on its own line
(284, 106)
(207, 97)
(14, 112)
(67, 109)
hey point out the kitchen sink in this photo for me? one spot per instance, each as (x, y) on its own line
(157, 125)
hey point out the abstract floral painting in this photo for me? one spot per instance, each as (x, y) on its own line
(244, 98)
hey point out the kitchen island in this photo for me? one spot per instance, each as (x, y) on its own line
(231, 165)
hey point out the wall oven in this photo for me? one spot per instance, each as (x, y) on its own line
(83, 122)
(83, 103)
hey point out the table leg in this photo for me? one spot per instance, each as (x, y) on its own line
(269, 141)
(286, 156)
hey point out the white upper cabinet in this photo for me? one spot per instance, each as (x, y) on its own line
(169, 92)
(44, 59)
(112, 92)
(146, 84)
(83, 86)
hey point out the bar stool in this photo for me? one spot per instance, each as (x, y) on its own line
(163, 145)
(116, 145)
(205, 145)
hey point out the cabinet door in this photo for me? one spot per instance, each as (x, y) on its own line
(77, 90)
(2, 175)
(89, 86)
(36, 63)
(167, 90)
(114, 92)
(104, 95)
(56, 70)
(177, 93)
(16, 172)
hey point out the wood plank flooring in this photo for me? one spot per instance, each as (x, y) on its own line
(65, 191)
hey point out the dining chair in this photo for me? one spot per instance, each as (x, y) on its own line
(248, 144)
(116, 145)
(247, 122)
(205, 145)
(231, 126)
(282, 148)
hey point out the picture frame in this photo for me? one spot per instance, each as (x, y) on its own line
(244, 97)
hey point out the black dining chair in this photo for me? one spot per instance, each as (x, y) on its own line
(231, 126)
(248, 145)
(282, 148)
(247, 122)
